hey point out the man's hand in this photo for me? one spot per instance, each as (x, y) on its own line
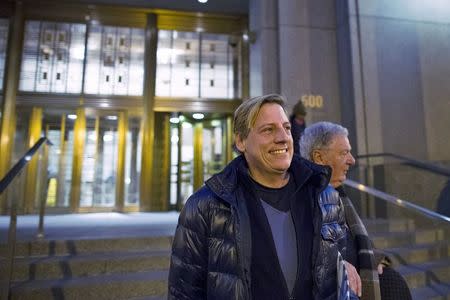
(380, 268)
(353, 278)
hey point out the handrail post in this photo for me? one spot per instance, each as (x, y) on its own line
(40, 233)
(11, 250)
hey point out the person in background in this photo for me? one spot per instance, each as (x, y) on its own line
(326, 143)
(259, 229)
(298, 123)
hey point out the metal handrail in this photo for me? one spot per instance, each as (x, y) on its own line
(396, 201)
(4, 183)
(412, 162)
(8, 178)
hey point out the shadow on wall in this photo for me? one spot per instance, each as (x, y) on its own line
(443, 201)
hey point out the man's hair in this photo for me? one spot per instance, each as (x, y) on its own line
(319, 136)
(299, 109)
(245, 115)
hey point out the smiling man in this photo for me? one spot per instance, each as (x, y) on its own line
(255, 230)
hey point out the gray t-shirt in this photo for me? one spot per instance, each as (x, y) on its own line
(276, 204)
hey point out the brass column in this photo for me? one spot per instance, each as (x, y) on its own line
(11, 80)
(79, 138)
(121, 154)
(34, 133)
(198, 155)
(148, 115)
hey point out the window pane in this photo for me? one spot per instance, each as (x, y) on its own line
(177, 73)
(178, 65)
(133, 161)
(115, 61)
(216, 71)
(53, 55)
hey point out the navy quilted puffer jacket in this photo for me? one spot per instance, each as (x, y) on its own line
(211, 251)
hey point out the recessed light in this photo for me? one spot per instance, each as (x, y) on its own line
(174, 120)
(198, 116)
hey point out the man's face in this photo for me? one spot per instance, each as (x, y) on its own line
(268, 146)
(337, 155)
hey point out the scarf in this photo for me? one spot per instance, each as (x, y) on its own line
(367, 265)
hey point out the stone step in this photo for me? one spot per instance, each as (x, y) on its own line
(420, 275)
(150, 298)
(140, 285)
(383, 240)
(85, 264)
(416, 254)
(439, 291)
(75, 247)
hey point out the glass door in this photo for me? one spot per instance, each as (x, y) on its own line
(98, 180)
(199, 149)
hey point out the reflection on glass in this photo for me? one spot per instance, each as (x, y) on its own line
(177, 72)
(216, 70)
(98, 188)
(115, 61)
(174, 139)
(52, 59)
(133, 162)
(67, 165)
(178, 68)
(3, 43)
(187, 161)
(213, 155)
(54, 135)
(213, 149)
(89, 160)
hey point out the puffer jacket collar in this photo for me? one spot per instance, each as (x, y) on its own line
(225, 183)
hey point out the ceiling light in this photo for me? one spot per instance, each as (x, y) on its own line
(72, 117)
(174, 120)
(215, 123)
(202, 1)
(198, 116)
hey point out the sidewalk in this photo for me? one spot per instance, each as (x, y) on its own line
(92, 226)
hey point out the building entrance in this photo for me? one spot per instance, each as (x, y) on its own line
(94, 162)
(200, 147)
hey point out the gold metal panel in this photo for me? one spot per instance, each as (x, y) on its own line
(121, 151)
(77, 160)
(198, 155)
(8, 108)
(135, 17)
(201, 22)
(34, 133)
(161, 160)
(195, 105)
(80, 13)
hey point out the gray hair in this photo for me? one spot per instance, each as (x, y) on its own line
(319, 136)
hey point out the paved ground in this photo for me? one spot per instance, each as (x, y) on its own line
(92, 225)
